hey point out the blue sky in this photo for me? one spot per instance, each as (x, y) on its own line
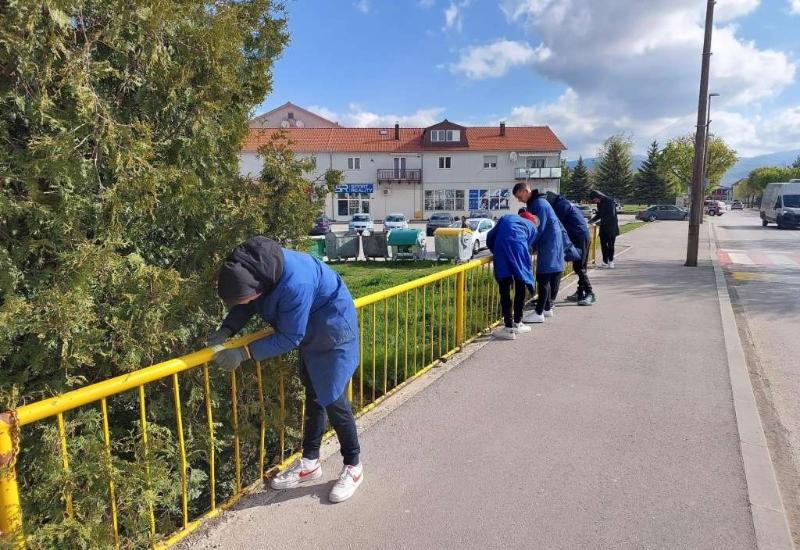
(587, 68)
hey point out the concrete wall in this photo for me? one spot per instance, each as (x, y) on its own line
(466, 173)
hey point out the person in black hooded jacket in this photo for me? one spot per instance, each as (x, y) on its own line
(609, 225)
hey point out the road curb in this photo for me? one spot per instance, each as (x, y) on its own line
(766, 506)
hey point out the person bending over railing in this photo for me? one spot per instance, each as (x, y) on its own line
(310, 308)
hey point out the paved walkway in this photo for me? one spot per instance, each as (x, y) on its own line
(609, 427)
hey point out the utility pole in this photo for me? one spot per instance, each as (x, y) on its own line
(696, 214)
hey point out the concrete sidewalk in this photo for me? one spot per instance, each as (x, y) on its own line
(610, 426)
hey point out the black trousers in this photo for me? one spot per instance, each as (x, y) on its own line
(505, 300)
(607, 240)
(580, 267)
(316, 420)
(547, 285)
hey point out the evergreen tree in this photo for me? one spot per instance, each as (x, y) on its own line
(580, 184)
(565, 187)
(613, 174)
(650, 186)
(796, 163)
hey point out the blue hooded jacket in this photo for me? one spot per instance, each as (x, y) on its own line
(549, 241)
(311, 309)
(510, 241)
(571, 218)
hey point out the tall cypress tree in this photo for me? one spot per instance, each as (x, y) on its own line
(566, 180)
(580, 182)
(650, 186)
(613, 175)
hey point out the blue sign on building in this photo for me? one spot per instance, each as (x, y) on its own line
(356, 188)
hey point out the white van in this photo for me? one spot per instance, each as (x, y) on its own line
(780, 204)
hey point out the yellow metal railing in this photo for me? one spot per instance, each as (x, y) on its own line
(404, 332)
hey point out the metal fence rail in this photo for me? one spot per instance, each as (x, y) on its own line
(404, 331)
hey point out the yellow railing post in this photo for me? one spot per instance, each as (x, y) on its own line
(10, 512)
(461, 292)
(594, 244)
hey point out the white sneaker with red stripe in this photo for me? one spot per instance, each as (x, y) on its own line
(349, 480)
(303, 471)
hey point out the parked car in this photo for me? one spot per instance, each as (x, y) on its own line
(587, 210)
(361, 223)
(480, 214)
(439, 220)
(396, 220)
(480, 231)
(780, 204)
(618, 205)
(737, 205)
(663, 212)
(321, 226)
(715, 208)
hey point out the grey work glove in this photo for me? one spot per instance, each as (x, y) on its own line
(230, 359)
(219, 336)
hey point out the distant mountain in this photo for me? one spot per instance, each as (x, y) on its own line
(746, 165)
(739, 170)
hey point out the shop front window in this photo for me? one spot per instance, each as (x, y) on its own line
(447, 200)
(348, 204)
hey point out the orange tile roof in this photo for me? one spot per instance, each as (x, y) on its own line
(370, 140)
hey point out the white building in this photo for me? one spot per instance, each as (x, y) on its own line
(421, 171)
(290, 115)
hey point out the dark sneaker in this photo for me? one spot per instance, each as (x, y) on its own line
(574, 297)
(588, 300)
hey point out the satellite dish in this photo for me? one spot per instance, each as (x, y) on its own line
(299, 124)
(512, 156)
(284, 123)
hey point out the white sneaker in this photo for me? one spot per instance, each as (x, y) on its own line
(349, 480)
(505, 333)
(611, 265)
(521, 328)
(602, 265)
(533, 317)
(303, 471)
(549, 312)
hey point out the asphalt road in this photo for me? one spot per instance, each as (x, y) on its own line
(762, 267)
(606, 427)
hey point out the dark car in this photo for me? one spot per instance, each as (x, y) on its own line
(321, 226)
(663, 212)
(439, 220)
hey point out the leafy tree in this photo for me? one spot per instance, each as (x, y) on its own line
(650, 186)
(678, 162)
(121, 124)
(566, 180)
(796, 163)
(580, 184)
(755, 183)
(613, 174)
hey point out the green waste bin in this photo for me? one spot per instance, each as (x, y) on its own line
(318, 249)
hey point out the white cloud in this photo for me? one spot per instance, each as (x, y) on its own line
(634, 66)
(357, 116)
(454, 15)
(794, 6)
(495, 59)
(362, 6)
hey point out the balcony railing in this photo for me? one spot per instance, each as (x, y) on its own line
(399, 175)
(537, 173)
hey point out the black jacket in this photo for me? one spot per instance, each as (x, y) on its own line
(606, 213)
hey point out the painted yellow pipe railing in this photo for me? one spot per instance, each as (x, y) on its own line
(404, 330)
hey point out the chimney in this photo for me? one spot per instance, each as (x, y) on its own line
(397, 131)
(503, 128)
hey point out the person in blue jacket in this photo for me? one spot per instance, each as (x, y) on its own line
(510, 242)
(549, 243)
(309, 308)
(579, 235)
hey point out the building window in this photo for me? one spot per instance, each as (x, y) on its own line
(348, 204)
(445, 135)
(490, 161)
(446, 200)
(445, 162)
(291, 115)
(354, 163)
(534, 162)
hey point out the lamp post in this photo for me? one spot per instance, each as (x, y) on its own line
(693, 241)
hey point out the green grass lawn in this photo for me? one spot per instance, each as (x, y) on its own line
(364, 278)
(628, 227)
(633, 208)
